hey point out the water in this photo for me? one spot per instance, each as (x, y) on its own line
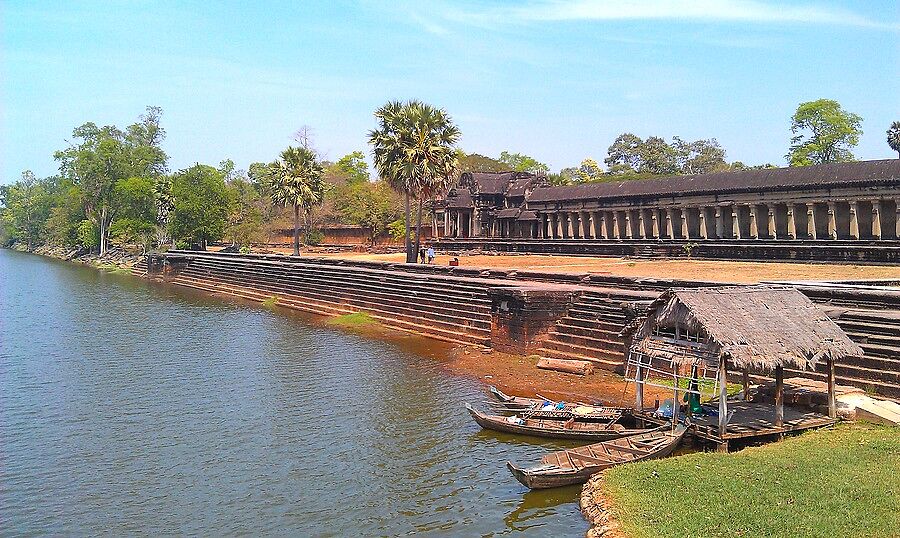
(128, 407)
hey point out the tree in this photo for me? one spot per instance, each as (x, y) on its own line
(414, 151)
(823, 133)
(104, 155)
(352, 168)
(296, 180)
(624, 154)
(523, 163)
(473, 162)
(374, 206)
(658, 157)
(699, 156)
(134, 199)
(244, 225)
(893, 137)
(200, 206)
(27, 204)
(589, 171)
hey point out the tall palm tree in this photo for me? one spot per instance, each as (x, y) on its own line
(414, 151)
(893, 137)
(296, 179)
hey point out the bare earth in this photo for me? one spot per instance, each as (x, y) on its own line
(704, 270)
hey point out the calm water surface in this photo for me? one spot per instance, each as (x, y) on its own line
(135, 408)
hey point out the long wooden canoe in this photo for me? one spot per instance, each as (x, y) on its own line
(504, 403)
(575, 466)
(555, 428)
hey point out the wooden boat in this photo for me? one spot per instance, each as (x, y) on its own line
(533, 408)
(575, 466)
(555, 428)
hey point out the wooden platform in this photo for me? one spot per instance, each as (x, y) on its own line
(749, 420)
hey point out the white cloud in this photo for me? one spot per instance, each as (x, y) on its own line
(745, 11)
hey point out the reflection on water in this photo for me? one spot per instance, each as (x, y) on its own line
(130, 407)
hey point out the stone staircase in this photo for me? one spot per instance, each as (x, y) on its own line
(451, 309)
(590, 329)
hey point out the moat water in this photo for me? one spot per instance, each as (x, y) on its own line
(128, 407)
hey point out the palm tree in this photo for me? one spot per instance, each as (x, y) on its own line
(893, 137)
(296, 179)
(414, 152)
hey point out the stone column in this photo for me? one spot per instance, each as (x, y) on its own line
(754, 227)
(720, 225)
(591, 225)
(572, 217)
(811, 221)
(616, 230)
(654, 217)
(876, 219)
(897, 218)
(459, 224)
(670, 231)
(792, 231)
(854, 220)
(701, 221)
(542, 226)
(773, 229)
(736, 222)
(642, 226)
(604, 228)
(627, 224)
(832, 223)
(446, 222)
(685, 231)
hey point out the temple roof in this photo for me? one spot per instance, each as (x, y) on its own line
(770, 179)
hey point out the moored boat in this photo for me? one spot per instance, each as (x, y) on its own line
(576, 465)
(555, 428)
(546, 408)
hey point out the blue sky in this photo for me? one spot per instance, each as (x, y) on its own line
(554, 79)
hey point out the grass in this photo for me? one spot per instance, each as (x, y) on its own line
(834, 483)
(355, 320)
(271, 302)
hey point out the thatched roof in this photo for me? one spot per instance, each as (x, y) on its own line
(753, 327)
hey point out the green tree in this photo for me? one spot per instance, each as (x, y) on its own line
(200, 206)
(66, 214)
(134, 200)
(589, 171)
(353, 167)
(823, 133)
(296, 180)
(893, 137)
(244, 225)
(522, 163)
(101, 156)
(473, 162)
(414, 151)
(374, 206)
(699, 156)
(27, 204)
(624, 154)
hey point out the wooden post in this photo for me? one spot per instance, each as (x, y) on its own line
(746, 383)
(723, 397)
(832, 403)
(675, 404)
(779, 398)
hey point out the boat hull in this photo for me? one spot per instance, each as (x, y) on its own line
(497, 423)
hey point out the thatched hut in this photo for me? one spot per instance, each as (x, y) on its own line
(759, 329)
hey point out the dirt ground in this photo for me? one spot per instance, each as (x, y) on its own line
(704, 270)
(518, 376)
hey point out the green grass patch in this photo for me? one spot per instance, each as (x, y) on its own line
(354, 321)
(834, 483)
(271, 302)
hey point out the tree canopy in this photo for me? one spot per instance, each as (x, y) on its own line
(823, 133)
(893, 137)
(200, 206)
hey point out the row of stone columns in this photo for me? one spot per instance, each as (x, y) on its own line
(814, 220)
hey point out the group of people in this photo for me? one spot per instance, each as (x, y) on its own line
(426, 255)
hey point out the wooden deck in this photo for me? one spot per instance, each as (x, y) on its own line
(749, 420)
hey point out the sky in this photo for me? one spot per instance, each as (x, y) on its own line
(557, 80)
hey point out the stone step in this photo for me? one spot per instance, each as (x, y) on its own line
(858, 378)
(583, 313)
(389, 319)
(867, 327)
(385, 294)
(361, 303)
(466, 294)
